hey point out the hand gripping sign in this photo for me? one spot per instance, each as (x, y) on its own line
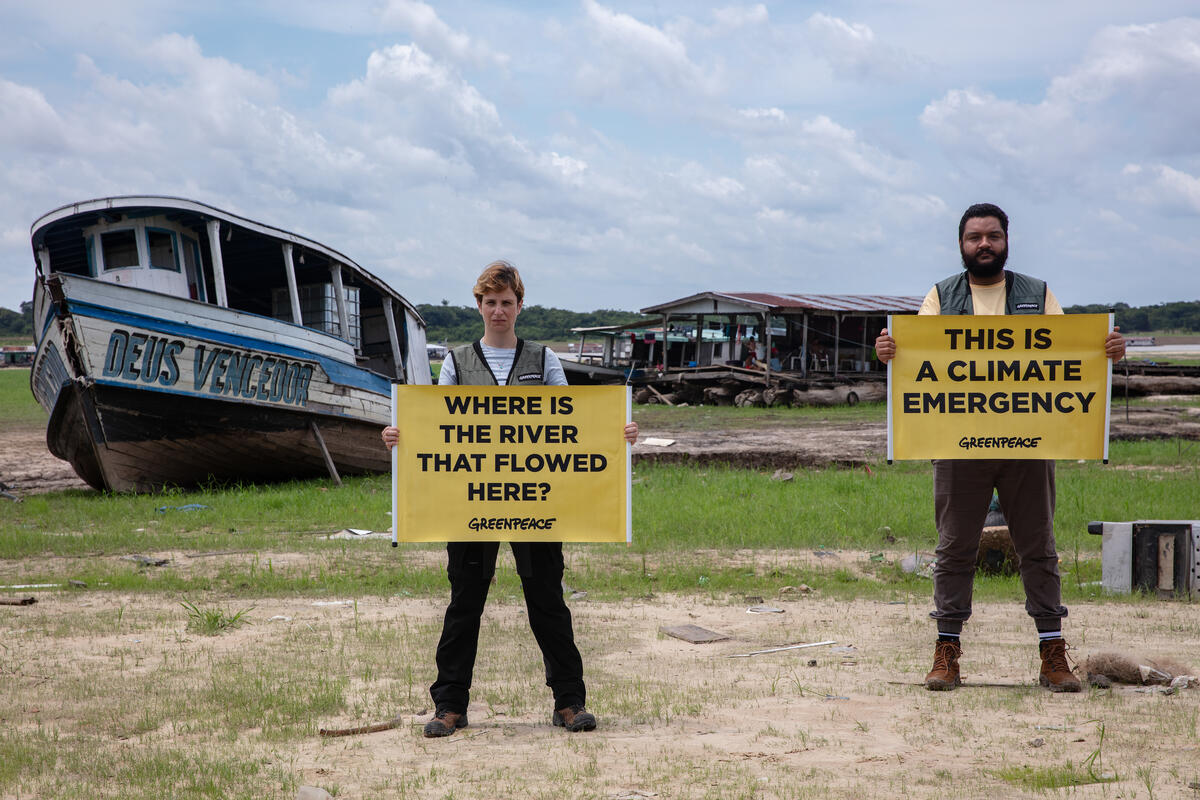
(511, 463)
(1017, 386)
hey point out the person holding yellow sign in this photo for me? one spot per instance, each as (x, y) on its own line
(501, 358)
(962, 488)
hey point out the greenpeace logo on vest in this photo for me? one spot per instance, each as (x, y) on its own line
(530, 376)
(1023, 306)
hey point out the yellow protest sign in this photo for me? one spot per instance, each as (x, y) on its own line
(511, 463)
(1019, 386)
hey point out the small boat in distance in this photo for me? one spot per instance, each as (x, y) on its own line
(178, 343)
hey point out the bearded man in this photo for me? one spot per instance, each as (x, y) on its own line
(962, 488)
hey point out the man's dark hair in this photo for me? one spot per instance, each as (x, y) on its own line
(983, 210)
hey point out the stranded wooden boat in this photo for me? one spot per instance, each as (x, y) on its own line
(178, 343)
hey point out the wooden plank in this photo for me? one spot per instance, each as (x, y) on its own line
(693, 633)
(1166, 562)
(659, 395)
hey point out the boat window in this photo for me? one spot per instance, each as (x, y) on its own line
(161, 246)
(119, 249)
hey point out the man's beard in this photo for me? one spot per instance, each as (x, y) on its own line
(988, 270)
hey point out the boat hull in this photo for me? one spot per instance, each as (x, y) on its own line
(146, 391)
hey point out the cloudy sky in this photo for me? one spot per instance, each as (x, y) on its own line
(626, 153)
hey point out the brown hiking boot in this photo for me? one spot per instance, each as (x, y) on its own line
(1056, 673)
(944, 675)
(574, 719)
(444, 723)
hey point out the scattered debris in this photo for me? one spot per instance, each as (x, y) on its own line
(1125, 668)
(753, 599)
(780, 649)
(1038, 742)
(692, 633)
(147, 561)
(572, 594)
(764, 610)
(217, 553)
(634, 794)
(77, 584)
(781, 475)
(313, 793)
(845, 649)
(919, 564)
(279, 618)
(333, 603)
(17, 601)
(653, 442)
(812, 662)
(360, 533)
(188, 507)
(803, 588)
(32, 586)
(6, 494)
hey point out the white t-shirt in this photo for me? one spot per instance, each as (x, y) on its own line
(500, 360)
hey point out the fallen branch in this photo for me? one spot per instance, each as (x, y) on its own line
(17, 601)
(395, 722)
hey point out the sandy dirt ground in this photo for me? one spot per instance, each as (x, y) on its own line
(677, 720)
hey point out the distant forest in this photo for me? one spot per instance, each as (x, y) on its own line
(1180, 317)
(14, 324)
(458, 324)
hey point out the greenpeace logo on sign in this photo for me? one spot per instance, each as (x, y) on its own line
(999, 442)
(512, 523)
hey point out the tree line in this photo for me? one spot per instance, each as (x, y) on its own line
(13, 323)
(462, 324)
(457, 324)
(1180, 316)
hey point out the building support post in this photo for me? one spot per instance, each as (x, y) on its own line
(837, 342)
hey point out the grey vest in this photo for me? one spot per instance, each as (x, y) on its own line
(1023, 294)
(472, 369)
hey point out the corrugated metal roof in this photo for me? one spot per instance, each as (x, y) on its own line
(860, 303)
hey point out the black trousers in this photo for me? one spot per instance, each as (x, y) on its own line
(470, 569)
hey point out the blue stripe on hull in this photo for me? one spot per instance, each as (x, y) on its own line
(338, 371)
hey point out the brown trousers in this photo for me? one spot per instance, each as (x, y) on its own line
(962, 491)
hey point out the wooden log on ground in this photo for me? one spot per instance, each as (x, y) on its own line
(776, 396)
(749, 397)
(866, 393)
(1142, 385)
(642, 395)
(17, 601)
(718, 396)
(836, 396)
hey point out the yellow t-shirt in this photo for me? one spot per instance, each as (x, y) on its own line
(988, 300)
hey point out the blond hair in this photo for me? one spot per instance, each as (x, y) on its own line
(498, 276)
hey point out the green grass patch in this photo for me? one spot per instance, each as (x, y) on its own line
(1040, 779)
(17, 406)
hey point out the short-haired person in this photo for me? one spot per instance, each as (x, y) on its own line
(962, 488)
(500, 358)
